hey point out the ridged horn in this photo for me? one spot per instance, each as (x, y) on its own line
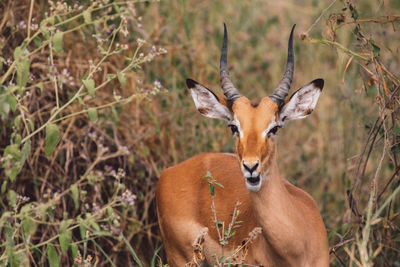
(229, 89)
(280, 93)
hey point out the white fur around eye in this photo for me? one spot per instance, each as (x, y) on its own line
(270, 126)
(237, 123)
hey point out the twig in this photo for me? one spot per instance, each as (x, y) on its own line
(340, 46)
(233, 221)
(30, 18)
(389, 182)
(340, 260)
(340, 244)
(319, 18)
(54, 71)
(352, 202)
(389, 19)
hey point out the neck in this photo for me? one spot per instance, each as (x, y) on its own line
(276, 213)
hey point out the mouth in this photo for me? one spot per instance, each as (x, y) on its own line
(253, 180)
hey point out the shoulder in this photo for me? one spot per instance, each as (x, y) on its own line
(300, 195)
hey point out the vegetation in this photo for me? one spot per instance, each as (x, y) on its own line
(86, 125)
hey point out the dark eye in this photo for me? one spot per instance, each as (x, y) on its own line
(274, 130)
(234, 128)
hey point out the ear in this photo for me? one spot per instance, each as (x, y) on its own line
(302, 102)
(208, 103)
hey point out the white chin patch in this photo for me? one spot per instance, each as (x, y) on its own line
(253, 187)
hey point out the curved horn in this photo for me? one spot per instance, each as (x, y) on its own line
(280, 93)
(230, 91)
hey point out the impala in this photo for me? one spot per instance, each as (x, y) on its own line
(292, 230)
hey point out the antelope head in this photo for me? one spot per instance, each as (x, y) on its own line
(255, 125)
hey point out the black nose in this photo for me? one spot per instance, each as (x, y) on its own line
(250, 169)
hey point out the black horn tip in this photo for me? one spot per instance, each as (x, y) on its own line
(225, 41)
(191, 83)
(319, 83)
(291, 36)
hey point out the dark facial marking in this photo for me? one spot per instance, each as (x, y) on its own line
(308, 111)
(203, 111)
(254, 105)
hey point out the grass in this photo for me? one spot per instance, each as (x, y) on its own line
(338, 150)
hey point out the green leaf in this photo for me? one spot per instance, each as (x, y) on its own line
(38, 41)
(58, 42)
(89, 84)
(353, 11)
(4, 107)
(75, 195)
(110, 211)
(87, 16)
(212, 189)
(82, 230)
(377, 50)
(18, 51)
(26, 149)
(12, 197)
(395, 148)
(51, 20)
(65, 238)
(30, 124)
(12, 101)
(122, 78)
(13, 151)
(223, 242)
(17, 139)
(13, 165)
(52, 256)
(110, 76)
(29, 225)
(233, 234)
(17, 122)
(26, 208)
(4, 187)
(43, 26)
(1, 63)
(133, 253)
(220, 185)
(52, 138)
(95, 225)
(80, 100)
(92, 112)
(208, 174)
(23, 66)
(397, 130)
(40, 86)
(74, 250)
